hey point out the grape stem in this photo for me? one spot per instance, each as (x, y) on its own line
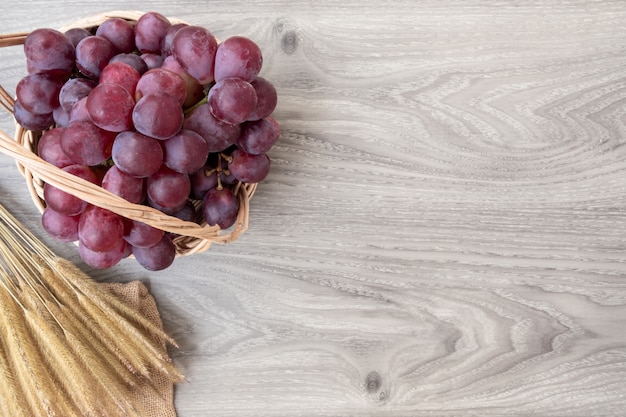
(188, 111)
(219, 168)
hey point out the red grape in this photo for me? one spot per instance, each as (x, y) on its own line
(110, 107)
(142, 235)
(168, 188)
(103, 259)
(150, 30)
(136, 154)
(220, 207)
(238, 57)
(93, 54)
(79, 112)
(202, 181)
(49, 148)
(186, 213)
(259, 136)
(158, 115)
(217, 134)
(100, 229)
(122, 74)
(195, 90)
(31, 121)
(39, 93)
(61, 117)
(194, 48)
(87, 144)
(121, 184)
(133, 60)
(75, 35)
(267, 98)
(185, 152)
(119, 32)
(249, 168)
(152, 60)
(161, 80)
(166, 45)
(232, 100)
(48, 50)
(66, 203)
(73, 90)
(60, 226)
(156, 257)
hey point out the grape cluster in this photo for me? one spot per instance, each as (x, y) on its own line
(157, 113)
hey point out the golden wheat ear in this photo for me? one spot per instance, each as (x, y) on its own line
(67, 346)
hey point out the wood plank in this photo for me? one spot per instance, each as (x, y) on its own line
(443, 229)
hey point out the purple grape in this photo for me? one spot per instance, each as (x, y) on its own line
(161, 80)
(186, 152)
(63, 202)
(194, 48)
(121, 184)
(168, 188)
(93, 54)
(195, 90)
(158, 115)
(249, 168)
(79, 112)
(73, 90)
(60, 226)
(110, 107)
(136, 154)
(61, 117)
(202, 181)
(267, 98)
(232, 100)
(133, 60)
(104, 259)
(150, 30)
(31, 121)
(217, 134)
(259, 136)
(167, 210)
(220, 207)
(49, 148)
(122, 74)
(152, 60)
(141, 235)
(166, 44)
(119, 32)
(39, 93)
(75, 35)
(238, 57)
(100, 229)
(48, 50)
(156, 257)
(87, 144)
(186, 213)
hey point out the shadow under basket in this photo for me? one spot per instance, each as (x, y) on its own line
(190, 237)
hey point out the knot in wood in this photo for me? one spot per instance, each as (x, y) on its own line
(372, 382)
(289, 42)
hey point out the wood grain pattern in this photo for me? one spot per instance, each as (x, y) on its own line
(444, 226)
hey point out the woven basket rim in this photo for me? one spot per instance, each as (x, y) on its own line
(192, 237)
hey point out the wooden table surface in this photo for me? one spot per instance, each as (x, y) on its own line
(443, 231)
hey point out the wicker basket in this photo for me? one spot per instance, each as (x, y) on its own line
(192, 237)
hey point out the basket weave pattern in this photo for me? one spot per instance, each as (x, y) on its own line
(192, 237)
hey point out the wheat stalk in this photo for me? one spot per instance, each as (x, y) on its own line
(11, 393)
(68, 347)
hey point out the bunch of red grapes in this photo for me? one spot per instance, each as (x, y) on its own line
(157, 113)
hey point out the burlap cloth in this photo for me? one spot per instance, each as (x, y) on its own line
(136, 295)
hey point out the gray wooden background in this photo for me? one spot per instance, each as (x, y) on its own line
(443, 232)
